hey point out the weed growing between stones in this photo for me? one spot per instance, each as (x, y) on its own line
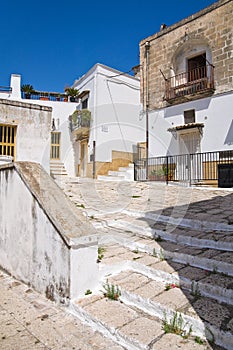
(88, 292)
(101, 251)
(158, 239)
(80, 206)
(161, 255)
(135, 251)
(176, 325)
(198, 340)
(111, 291)
(195, 291)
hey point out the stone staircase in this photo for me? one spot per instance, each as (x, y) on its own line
(57, 169)
(123, 174)
(163, 271)
(171, 273)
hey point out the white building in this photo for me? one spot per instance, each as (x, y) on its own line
(111, 99)
(187, 92)
(116, 125)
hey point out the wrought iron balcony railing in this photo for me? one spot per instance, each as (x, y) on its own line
(80, 120)
(198, 80)
(6, 89)
(46, 96)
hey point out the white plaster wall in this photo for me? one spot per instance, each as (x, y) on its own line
(114, 103)
(33, 130)
(214, 112)
(30, 247)
(60, 113)
(86, 272)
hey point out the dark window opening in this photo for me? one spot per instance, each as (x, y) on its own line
(189, 116)
(197, 67)
(84, 103)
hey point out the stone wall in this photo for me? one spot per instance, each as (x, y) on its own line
(33, 123)
(212, 28)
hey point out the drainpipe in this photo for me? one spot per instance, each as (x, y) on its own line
(94, 125)
(147, 48)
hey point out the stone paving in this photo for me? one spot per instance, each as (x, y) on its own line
(136, 263)
(29, 321)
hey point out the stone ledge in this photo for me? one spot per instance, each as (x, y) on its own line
(64, 215)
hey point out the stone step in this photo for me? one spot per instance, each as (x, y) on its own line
(207, 225)
(158, 298)
(209, 259)
(57, 169)
(178, 234)
(111, 178)
(129, 167)
(116, 173)
(203, 298)
(127, 325)
(210, 283)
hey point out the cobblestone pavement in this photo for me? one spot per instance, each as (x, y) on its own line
(103, 198)
(29, 321)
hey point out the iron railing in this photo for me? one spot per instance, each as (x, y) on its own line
(80, 119)
(5, 89)
(187, 168)
(200, 79)
(45, 96)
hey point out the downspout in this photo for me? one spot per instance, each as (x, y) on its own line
(147, 48)
(95, 127)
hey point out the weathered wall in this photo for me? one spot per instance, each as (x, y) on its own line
(42, 236)
(211, 27)
(33, 130)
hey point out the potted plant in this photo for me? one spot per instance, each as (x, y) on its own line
(27, 89)
(72, 93)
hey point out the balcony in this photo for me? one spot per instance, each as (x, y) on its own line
(193, 84)
(45, 96)
(80, 122)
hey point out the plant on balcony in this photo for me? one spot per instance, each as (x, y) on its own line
(81, 118)
(27, 89)
(86, 117)
(74, 116)
(72, 93)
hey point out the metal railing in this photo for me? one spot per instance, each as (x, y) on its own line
(194, 81)
(45, 96)
(80, 119)
(5, 89)
(187, 168)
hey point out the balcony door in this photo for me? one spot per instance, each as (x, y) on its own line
(197, 68)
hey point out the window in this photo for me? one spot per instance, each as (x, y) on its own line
(7, 140)
(189, 116)
(197, 67)
(85, 103)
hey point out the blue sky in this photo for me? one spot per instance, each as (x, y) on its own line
(52, 43)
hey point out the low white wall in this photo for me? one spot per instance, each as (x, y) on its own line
(34, 245)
